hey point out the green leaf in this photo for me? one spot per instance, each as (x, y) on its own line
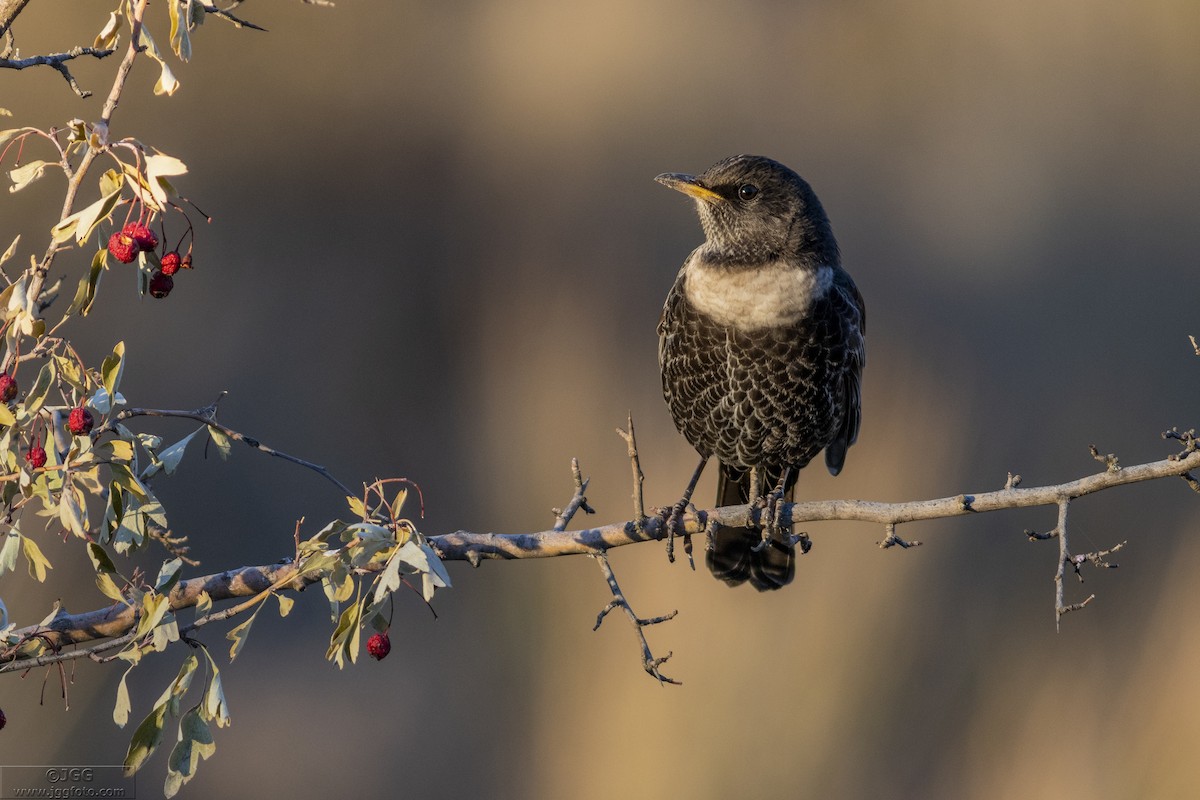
(215, 708)
(285, 604)
(168, 576)
(10, 551)
(123, 706)
(389, 579)
(109, 35)
(123, 477)
(115, 450)
(165, 633)
(167, 83)
(83, 222)
(111, 369)
(24, 175)
(12, 248)
(148, 735)
(72, 512)
(344, 641)
(38, 564)
(356, 507)
(154, 607)
(203, 605)
(109, 587)
(101, 562)
(436, 568)
(41, 386)
(6, 415)
(69, 371)
(85, 293)
(221, 441)
(158, 167)
(195, 743)
(103, 403)
(241, 633)
(168, 458)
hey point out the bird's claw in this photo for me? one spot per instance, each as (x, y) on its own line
(773, 528)
(673, 524)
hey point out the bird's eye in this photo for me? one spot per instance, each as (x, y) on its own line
(747, 191)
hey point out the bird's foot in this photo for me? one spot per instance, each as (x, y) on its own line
(673, 524)
(770, 522)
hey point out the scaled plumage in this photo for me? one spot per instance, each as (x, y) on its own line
(761, 346)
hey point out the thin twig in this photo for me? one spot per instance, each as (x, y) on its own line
(237, 22)
(892, 540)
(639, 505)
(58, 62)
(578, 500)
(649, 662)
(208, 416)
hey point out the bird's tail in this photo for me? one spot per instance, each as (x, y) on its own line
(732, 557)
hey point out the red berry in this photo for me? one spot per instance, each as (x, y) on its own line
(8, 387)
(161, 284)
(142, 236)
(122, 247)
(379, 646)
(36, 456)
(187, 261)
(80, 421)
(170, 263)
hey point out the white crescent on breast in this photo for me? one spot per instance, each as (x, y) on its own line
(774, 294)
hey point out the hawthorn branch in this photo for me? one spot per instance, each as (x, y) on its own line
(58, 62)
(208, 416)
(649, 662)
(118, 620)
(38, 279)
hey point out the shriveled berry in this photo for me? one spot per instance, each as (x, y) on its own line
(36, 456)
(80, 421)
(3, 719)
(161, 284)
(187, 261)
(122, 247)
(170, 263)
(8, 387)
(379, 646)
(142, 236)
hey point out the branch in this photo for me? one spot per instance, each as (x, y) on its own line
(229, 17)
(9, 10)
(38, 280)
(118, 619)
(649, 662)
(208, 416)
(58, 61)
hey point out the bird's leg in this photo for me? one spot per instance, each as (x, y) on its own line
(671, 520)
(772, 504)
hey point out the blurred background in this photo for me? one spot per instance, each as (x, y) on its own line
(438, 252)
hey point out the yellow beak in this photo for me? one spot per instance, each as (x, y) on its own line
(688, 185)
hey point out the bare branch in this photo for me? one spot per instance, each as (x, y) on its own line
(578, 501)
(9, 11)
(118, 619)
(639, 505)
(208, 416)
(58, 62)
(226, 15)
(649, 662)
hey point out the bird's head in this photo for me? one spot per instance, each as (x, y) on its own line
(756, 210)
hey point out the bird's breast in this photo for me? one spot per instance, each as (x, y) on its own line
(772, 294)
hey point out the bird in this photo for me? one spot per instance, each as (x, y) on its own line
(761, 348)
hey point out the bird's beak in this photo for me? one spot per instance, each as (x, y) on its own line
(688, 185)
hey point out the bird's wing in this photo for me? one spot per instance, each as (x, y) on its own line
(854, 320)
